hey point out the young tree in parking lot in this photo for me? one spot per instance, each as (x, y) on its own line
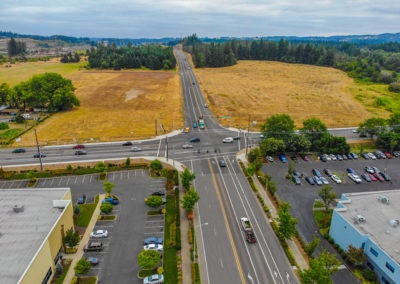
(72, 238)
(327, 195)
(154, 201)
(148, 259)
(82, 266)
(187, 177)
(108, 186)
(106, 208)
(287, 224)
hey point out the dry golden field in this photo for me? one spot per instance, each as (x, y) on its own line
(115, 106)
(256, 90)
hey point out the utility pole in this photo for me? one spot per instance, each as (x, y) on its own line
(40, 154)
(247, 137)
(166, 139)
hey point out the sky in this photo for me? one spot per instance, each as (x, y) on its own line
(206, 18)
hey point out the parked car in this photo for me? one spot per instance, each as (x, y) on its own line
(227, 140)
(19, 150)
(354, 177)
(339, 157)
(187, 146)
(80, 152)
(78, 146)
(310, 180)
(93, 246)
(136, 149)
(354, 155)
(111, 200)
(379, 154)
(316, 172)
(296, 180)
(222, 163)
(127, 143)
(158, 193)
(82, 199)
(42, 155)
(396, 154)
(93, 260)
(324, 180)
(351, 171)
(388, 155)
(385, 176)
(365, 156)
(344, 157)
(282, 157)
(304, 157)
(328, 172)
(153, 240)
(317, 180)
(294, 158)
(372, 177)
(323, 157)
(156, 247)
(269, 159)
(366, 177)
(195, 139)
(369, 169)
(336, 179)
(99, 234)
(333, 157)
(371, 156)
(378, 176)
(154, 279)
(376, 170)
(297, 174)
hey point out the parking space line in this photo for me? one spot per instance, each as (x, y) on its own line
(83, 179)
(59, 182)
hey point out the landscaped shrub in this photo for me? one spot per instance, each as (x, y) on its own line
(369, 274)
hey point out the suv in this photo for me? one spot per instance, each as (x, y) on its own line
(82, 199)
(93, 246)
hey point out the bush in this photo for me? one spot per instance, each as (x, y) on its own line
(369, 274)
(395, 87)
(4, 125)
(106, 208)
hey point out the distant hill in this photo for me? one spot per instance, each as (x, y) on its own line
(358, 39)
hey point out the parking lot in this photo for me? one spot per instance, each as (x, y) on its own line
(301, 197)
(118, 259)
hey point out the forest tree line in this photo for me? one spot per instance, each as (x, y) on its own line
(153, 57)
(374, 63)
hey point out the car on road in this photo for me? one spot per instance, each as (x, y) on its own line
(187, 146)
(316, 172)
(111, 200)
(296, 180)
(82, 199)
(385, 176)
(156, 247)
(42, 155)
(222, 163)
(154, 279)
(99, 234)
(93, 260)
(336, 179)
(127, 143)
(282, 157)
(186, 130)
(227, 140)
(195, 125)
(19, 150)
(93, 246)
(153, 240)
(317, 180)
(80, 152)
(78, 146)
(136, 149)
(328, 172)
(195, 139)
(310, 180)
(354, 177)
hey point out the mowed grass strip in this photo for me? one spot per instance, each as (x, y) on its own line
(259, 89)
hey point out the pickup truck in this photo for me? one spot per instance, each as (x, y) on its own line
(248, 230)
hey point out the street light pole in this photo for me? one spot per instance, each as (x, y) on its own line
(166, 140)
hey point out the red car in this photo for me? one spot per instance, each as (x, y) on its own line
(388, 155)
(79, 146)
(372, 177)
(378, 176)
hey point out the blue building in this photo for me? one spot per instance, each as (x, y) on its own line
(370, 221)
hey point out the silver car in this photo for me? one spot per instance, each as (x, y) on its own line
(187, 146)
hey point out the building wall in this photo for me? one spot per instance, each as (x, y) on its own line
(47, 255)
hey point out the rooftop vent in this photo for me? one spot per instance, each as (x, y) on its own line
(394, 223)
(360, 218)
(383, 199)
(18, 208)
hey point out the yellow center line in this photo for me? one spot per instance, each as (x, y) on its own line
(239, 267)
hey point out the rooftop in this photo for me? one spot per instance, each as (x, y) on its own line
(23, 233)
(375, 214)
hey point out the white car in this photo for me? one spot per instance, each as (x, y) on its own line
(136, 149)
(156, 247)
(227, 140)
(371, 156)
(324, 180)
(154, 279)
(187, 146)
(99, 234)
(336, 179)
(333, 157)
(354, 177)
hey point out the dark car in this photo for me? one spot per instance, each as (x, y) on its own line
(19, 150)
(158, 193)
(111, 200)
(354, 155)
(310, 180)
(385, 176)
(194, 125)
(297, 174)
(339, 157)
(323, 158)
(127, 143)
(236, 137)
(365, 156)
(196, 139)
(366, 177)
(296, 180)
(82, 199)
(42, 155)
(304, 157)
(316, 172)
(80, 152)
(294, 158)
(79, 146)
(93, 246)
(328, 172)
(351, 171)
(153, 240)
(282, 157)
(222, 163)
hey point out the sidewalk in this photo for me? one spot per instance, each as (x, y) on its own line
(85, 238)
(300, 260)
